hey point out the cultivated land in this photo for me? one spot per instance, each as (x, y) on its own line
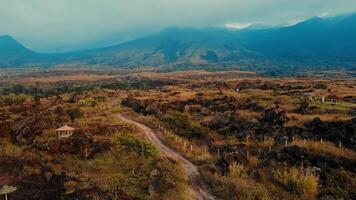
(179, 135)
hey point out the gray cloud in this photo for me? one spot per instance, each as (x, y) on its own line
(63, 25)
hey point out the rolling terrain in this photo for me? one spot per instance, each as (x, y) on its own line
(312, 44)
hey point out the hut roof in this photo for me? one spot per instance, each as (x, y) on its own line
(333, 96)
(7, 189)
(65, 128)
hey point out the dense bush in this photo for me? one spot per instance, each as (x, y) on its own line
(235, 186)
(75, 113)
(184, 126)
(338, 184)
(12, 99)
(132, 144)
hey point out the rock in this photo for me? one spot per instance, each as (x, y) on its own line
(273, 117)
(269, 116)
(281, 118)
(154, 178)
(5, 130)
(303, 108)
(335, 131)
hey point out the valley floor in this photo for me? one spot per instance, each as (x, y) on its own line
(180, 135)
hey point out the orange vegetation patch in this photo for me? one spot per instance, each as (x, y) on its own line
(299, 119)
(326, 148)
(197, 74)
(54, 79)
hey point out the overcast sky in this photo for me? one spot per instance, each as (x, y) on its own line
(63, 25)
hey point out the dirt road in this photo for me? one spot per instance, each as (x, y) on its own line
(198, 189)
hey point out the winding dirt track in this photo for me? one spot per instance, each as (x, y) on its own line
(197, 186)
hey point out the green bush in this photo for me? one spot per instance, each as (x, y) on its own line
(12, 99)
(170, 181)
(133, 144)
(184, 126)
(90, 102)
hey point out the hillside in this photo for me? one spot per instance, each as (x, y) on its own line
(317, 42)
(13, 53)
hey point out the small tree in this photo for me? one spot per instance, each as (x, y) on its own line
(303, 108)
(75, 114)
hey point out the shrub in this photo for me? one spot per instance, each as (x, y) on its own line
(185, 126)
(320, 85)
(133, 144)
(303, 184)
(75, 113)
(235, 187)
(338, 184)
(9, 149)
(90, 102)
(237, 170)
(12, 99)
(170, 182)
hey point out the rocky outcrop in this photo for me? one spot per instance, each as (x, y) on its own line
(336, 131)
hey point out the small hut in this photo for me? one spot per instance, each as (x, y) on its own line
(5, 190)
(65, 131)
(334, 99)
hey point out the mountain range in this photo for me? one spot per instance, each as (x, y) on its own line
(316, 42)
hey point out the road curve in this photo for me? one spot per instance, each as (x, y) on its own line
(197, 185)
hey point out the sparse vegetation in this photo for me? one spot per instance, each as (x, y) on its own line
(262, 142)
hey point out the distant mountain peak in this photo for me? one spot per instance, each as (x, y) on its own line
(8, 38)
(13, 53)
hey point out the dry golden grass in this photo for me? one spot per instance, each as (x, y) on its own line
(300, 120)
(197, 74)
(64, 78)
(326, 148)
(193, 151)
(303, 184)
